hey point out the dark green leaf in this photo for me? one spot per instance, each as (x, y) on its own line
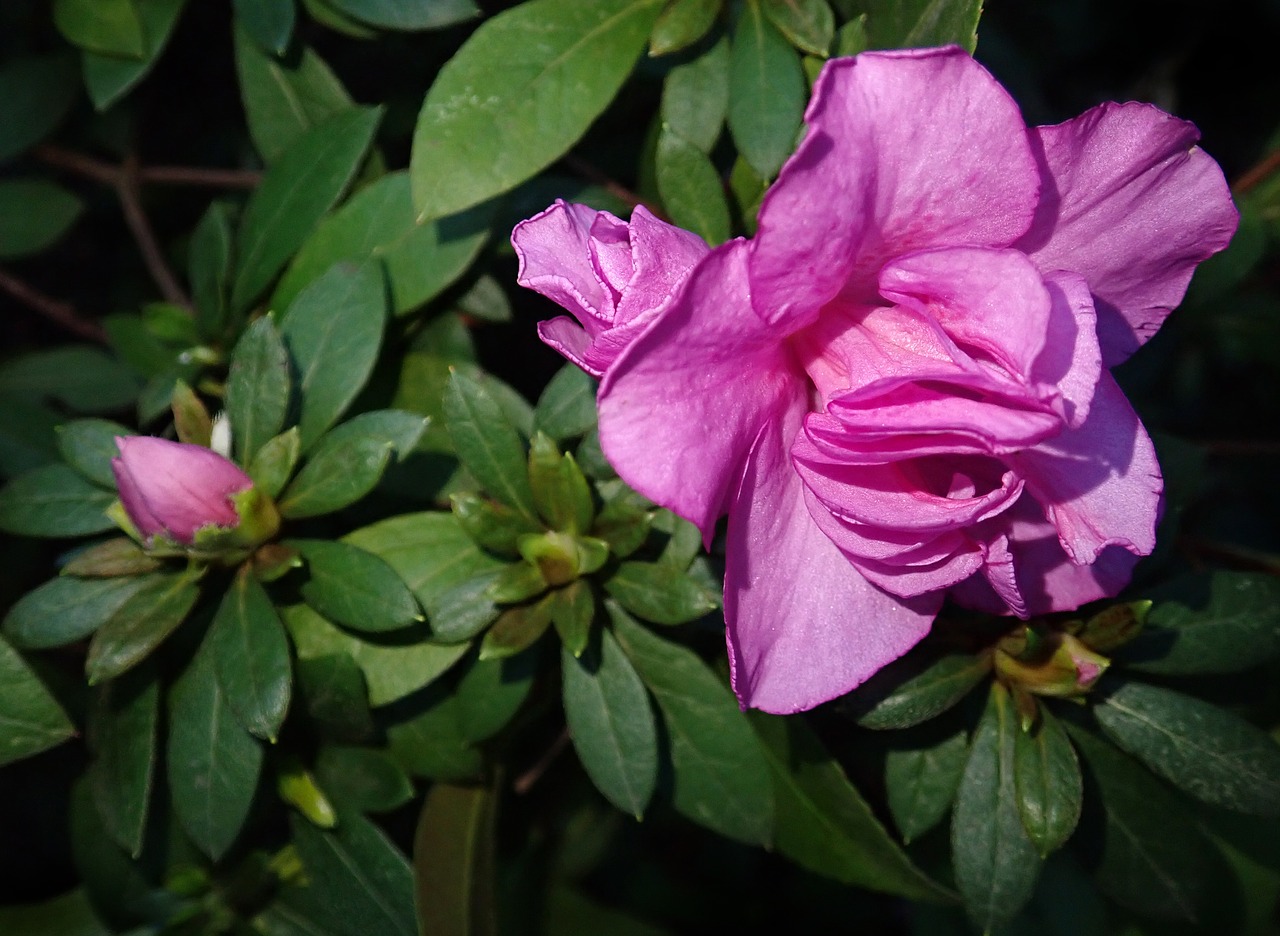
(109, 77)
(1214, 622)
(408, 14)
(420, 260)
(465, 609)
(494, 526)
(258, 387)
(567, 407)
(358, 876)
(71, 914)
(658, 592)
(268, 22)
(35, 94)
(122, 720)
(824, 824)
(922, 782)
(484, 130)
(695, 97)
(681, 24)
(906, 24)
(209, 268)
(296, 192)
(560, 491)
(113, 27)
(114, 557)
(623, 523)
(64, 610)
(214, 764)
(89, 445)
(336, 698)
(611, 724)
(809, 25)
(285, 99)
(487, 443)
(996, 863)
(490, 693)
(54, 501)
(722, 778)
(272, 465)
(766, 92)
(140, 624)
(516, 629)
(27, 436)
(431, 744)
(1047, 780)
(30, 719)
(355, 588)
(1209, 752)
(362, 778)
(34, 214)
(84, 378)
(251, 657)
(454, 862)
(915, 689)
(573, 609)
(691, 188)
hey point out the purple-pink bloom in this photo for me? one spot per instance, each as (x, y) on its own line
(899, 388)
(174, 490)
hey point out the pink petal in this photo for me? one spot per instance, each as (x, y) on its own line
(905, 150)
(1132, 205)
(681, 407)
(180, 487)
(1071, 358)
(804, 626)
(555, 250)
(571, 340)
(661, 257)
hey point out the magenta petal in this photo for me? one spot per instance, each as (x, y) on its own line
(176, 488)
(681, 407)
(661, 257)
(1132, 205)
(571, 340)
(555, 250)
(1099, 484)
(1071, 359)
(905, 150)
(804, 626)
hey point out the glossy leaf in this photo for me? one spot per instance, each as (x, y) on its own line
(659, 593)
(922, 782)
(722, 779)
(494, 526)
(54, 501)
(766, 92)
(484, 130)
(332, 687)
(362, 778)
(85, 379)
(560, 492)
(905, 24)
(268, 22)
(809, 25)
(681, 24)
(307, 180)
(214, 764)
(695, 97)
(408, 14)
(122, 725)
(490, 693)
(516, 629)
(567, 407)
(432, 744)
(1209, 752)
(34, 214)
(454, 862)
(611, 724)
(258, 387)
(66, 609)
(31, 720)
(1047, 779)
(89, 445)
(109, 77)
(272, 465)
(113, 27)
(573, 609)
(691, 188)
(209, 268)
(111, 558)
(487, 443)
(915, 689)
(139, 625)
(251, 657)
(355, 588)
(35, 93)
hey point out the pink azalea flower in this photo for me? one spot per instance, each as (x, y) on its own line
(899, 388)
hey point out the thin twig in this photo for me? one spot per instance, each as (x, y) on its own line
(1257, 174)
(78, 163)
(56, 311)
(613, 187)
(135, 217)
(1257, 558)
(526, 780)
(208, 178)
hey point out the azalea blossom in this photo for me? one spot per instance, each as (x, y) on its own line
(899, 388)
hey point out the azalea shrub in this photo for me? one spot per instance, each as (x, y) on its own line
(637, 466)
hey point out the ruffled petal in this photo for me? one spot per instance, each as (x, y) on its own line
(1071, 359)
(555, 251)
(661, 257)
(804, 626)
(571, 340)
(905, 150)
(682, 406)
(1130, 203)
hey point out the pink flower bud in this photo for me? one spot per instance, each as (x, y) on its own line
(174, 490)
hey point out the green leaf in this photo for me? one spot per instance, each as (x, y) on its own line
(191, 419)
(273, 463)
(355, 588)
(122, 720)
(285, 99)
(1207, 751)
(333, 330)
(54, 501)
(516, 629)
(64, 610)
(36, 91)
(851, 38)
(140, 624)
(484, 130)
(84, 378)
(357, 876)
(908, 24)
(1213, 622)
(486, 300)
(809, 25)
(378, 223)
(996, 863)
(209, 268)
(1047, 779)
(767, 92)
(915, 689)
(722, 778)
(27, 436)
(659, 593)
(31, 720)
(333, 689)
(303, 184)
(251, 657)
(268, 22)
(111, 558)
(362, 778)
(431, 744)
(258, 387)
(681, 24)
(70, 914)
(695, 97)
(113, 27)
(214, 764)
(611, 724)
(824, 824)
(691, 188)
(408, 14)
(34, 214)
(922, 782)
(108, 78)
(567, 407)
(89, 445)
(560, 492)
(454, 862)
(1154, 859)
(494, 526)
(573, 609)
(490, 693)
(486, 442)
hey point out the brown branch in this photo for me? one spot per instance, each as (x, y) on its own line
(524, 783)
(192, 175)
(135, 217)
(56, 311)
(618, 190)
(78, 163)
(1257, 174)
